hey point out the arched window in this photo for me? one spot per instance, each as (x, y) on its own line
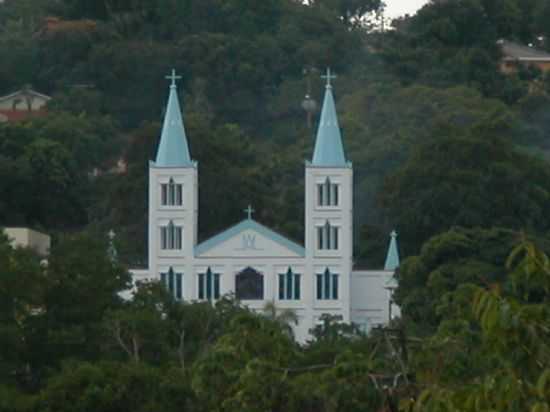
(171, 236)
(289, 285)
(327, 285)
(171, 193)
(173, 283)
(328, 193)
(327, 237)
(209, 285)
(249, 285)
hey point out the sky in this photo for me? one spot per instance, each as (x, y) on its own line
(396, 8)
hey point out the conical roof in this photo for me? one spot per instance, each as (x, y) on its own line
(392, 258)
(329, 151)
(173, 150)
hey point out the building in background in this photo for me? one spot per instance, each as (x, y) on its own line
(22, 104)
(28, 238)
(517, 56)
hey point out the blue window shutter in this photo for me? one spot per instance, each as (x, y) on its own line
(179, 195)
(335, 287)
(179, 288)
(217, 286)
(326, 292)
(171, 281)
(319, 287)
(289, 284)
(281, 286)
(163, 279)
(164, 194)
(208, 284)
(201, 285)
(297, 287)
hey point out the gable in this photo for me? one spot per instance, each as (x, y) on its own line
(18, 100)
(249, 239)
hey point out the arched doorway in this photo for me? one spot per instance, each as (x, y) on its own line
(249, 285)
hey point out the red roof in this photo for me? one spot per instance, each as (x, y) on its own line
(18, 115)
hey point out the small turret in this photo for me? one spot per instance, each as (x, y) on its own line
(392, 258)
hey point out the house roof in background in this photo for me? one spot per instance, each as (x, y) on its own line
(517, 51)
(24, 92)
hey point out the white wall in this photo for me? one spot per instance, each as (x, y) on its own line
(23, 237)
(370, 298)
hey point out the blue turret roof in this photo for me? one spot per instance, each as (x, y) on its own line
(329, 151)
(392, 259)
(173, 150)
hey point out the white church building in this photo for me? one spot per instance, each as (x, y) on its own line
(253, 262)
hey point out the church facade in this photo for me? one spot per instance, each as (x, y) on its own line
(253, 262)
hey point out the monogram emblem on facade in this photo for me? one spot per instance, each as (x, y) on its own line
(248, 242)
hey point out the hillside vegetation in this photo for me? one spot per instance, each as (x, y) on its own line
(446, 149)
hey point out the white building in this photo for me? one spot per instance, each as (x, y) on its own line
(250, 260)
(22, 104)
(28, 238)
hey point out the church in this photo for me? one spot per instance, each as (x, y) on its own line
(251, 261)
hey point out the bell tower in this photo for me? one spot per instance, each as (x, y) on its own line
(329, 212)
(173, 201)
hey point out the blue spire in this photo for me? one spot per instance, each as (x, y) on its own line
(173, 150)
(328, 146)
(392, 259)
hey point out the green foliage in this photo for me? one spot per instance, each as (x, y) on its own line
(438, 136)
(447, 261)
(21, 293)
(467, 178)
(79, 270)
(107, 386)
(510, 341)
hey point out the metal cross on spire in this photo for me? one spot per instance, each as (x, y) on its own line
(329, 76)
(249, 211)
(173, 77)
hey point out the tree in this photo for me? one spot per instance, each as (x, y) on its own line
(447, 261)
(351, 12)
(82, 284)
(140, 327)
(511, 341)
(112, 386)
(467, 178)
(21, 297)
(285, 317)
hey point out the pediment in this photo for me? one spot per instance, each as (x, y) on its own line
(249, 239)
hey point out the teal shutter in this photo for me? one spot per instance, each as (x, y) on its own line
(289, 284)
(297, 287)
(217, 286)
(326, 291)
(208, 284)
(335, 287)
(179, 286)
(201, 285)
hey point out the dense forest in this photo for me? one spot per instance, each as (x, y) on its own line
(446, 148)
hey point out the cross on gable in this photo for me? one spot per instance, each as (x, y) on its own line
(173, 77)
(329, 76)
(249, 211)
